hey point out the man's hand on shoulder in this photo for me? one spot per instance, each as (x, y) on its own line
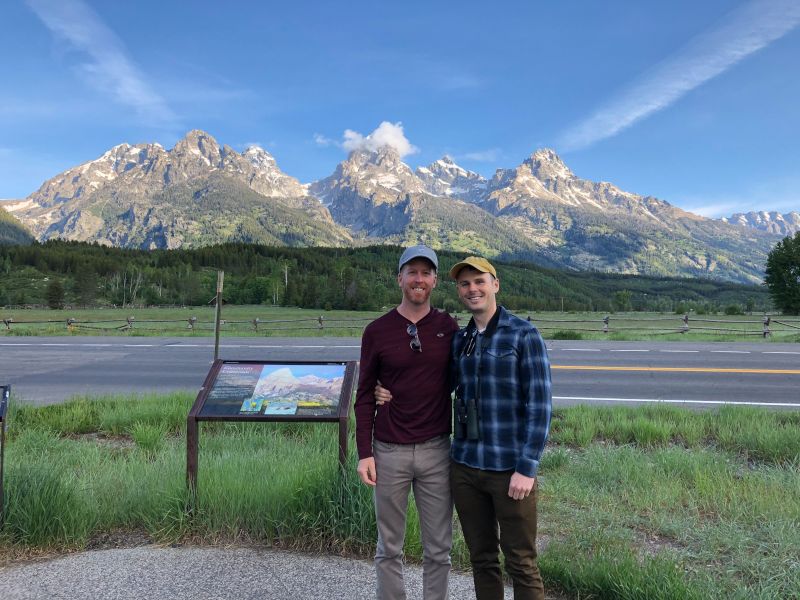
(366, 470)
(520, 486)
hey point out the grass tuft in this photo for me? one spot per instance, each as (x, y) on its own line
(149, 438)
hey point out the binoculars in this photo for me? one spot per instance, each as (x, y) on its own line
(467, 421)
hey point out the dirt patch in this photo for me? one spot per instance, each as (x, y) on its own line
(119, 539)
(650, 544)
(117, 442)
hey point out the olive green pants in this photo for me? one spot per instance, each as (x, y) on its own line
(492, 520)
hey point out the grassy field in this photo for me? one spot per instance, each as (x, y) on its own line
(644, 503)
(279, 321)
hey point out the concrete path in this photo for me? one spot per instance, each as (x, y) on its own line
(204, 574)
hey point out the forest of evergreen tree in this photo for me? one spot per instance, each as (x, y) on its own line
(324, 278)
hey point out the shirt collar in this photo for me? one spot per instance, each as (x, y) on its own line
(499, 319)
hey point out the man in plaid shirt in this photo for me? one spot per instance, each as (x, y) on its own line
(502, 418)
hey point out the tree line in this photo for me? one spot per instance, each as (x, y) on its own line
(363, 278)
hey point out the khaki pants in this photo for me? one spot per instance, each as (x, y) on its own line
(492, 520)
(425, 467)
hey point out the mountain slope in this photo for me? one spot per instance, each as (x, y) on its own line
(12, 231)
(379, 199)
(589, 225)
(196, 194)
(446, 178)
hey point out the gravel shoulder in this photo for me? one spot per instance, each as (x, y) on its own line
(204, 574)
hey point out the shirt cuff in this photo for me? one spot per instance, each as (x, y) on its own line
(527, 467)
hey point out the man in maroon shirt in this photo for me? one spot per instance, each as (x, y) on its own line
(405, 443)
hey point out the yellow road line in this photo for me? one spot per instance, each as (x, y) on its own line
(676, 369)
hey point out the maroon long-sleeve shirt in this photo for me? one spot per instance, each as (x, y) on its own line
(420, 406)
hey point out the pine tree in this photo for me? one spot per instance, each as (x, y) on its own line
(783, 274)
(55, 294)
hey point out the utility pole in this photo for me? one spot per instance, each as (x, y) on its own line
(220, 279)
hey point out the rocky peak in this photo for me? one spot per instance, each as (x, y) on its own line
(259, 158)
(546, 165)
(544, 177)
(445, 178)
(197, 147)
(369, 173)
(385, 158)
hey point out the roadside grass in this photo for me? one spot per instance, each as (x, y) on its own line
(298, 322)
(771, 437)
(635, 502)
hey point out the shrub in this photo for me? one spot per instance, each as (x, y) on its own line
(566, 334)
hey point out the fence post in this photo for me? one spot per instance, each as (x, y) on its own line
(131, 319)
(255, 322)
(70, 325)
(605, 324)
(320, 322)
(766, 326)
(685, 326)
(192, 321)
(7, 322)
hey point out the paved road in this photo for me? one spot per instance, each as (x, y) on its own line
(44, 370)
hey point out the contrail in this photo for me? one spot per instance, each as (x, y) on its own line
(108, 68)
(739, 34)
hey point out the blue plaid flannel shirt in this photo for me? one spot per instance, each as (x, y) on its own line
(508, 373)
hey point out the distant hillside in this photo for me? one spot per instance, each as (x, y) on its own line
(12, 231)
(325, 278)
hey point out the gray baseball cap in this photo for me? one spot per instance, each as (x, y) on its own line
(419, 251)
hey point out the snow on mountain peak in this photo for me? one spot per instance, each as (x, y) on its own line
(258, 157)
(445, 178)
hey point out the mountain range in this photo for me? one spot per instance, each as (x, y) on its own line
(774, 222)
(200, 193)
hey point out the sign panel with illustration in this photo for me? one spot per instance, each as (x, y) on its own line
(289, 390)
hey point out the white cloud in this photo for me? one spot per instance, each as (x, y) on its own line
(107, 66)
(454, 82)
(387, 134)
(741, 33)
(324, 142)
(490, 155)
(714, 211)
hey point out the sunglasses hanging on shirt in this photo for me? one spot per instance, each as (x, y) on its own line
(415, 344)
(469, 347)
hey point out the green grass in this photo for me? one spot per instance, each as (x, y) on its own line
(640, 503)
(771, 437)
(293, 322)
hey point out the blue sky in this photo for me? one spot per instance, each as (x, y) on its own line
(692, 102)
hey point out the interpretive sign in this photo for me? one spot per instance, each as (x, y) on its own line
(271, 391)
(5, 394)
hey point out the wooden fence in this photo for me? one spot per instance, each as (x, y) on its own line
(606, 324)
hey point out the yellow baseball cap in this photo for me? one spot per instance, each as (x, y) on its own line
(477, 263)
